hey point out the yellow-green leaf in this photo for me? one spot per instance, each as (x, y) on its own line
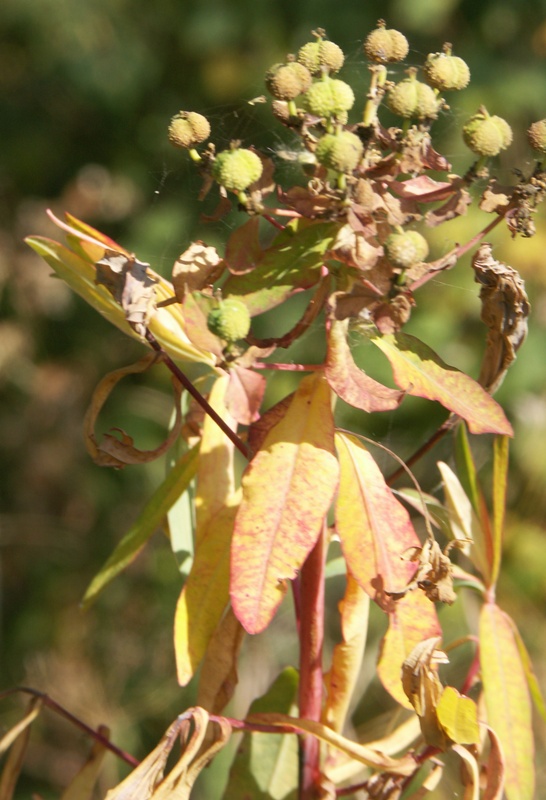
(507, 700)
(500, 483)
(458, 716)
(419, 371)
(287, 491)
(147, 523)
(218, 677)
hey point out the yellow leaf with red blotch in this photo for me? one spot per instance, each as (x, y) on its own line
(341, 679)
(412, 620)
(419, 371)
(507, 700)
(287, 491)
(205, 594)
(375, 529)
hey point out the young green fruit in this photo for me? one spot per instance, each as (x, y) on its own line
(187, 128)
(405, 249)
(237, 169)
(536, 134)
(339, 151)
(328, 97)
(446, 72)
(287, 81)
(320, 55)
(412, 99)
(230, 321)
(487, 135)
(384, 45)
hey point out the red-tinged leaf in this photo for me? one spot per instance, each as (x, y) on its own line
(458, 716)
(412, 621)
(245, 394)
(218, 677)
(243, 250)
(375, 529)
(215, 479)
(494, 788)
(195, 308)
(287, 490)
(259, 430)
(82, 785)
(419, 371)
(500, 484)
(205, 595)
(507, 700)
(351, 383)
(293, 262)
(347, 657)
(423, 189)
(93, 233)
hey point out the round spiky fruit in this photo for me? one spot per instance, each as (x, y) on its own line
(536, 135)
(187, 128)
(446, 72)
(321, 55)
(384, 45)
(412, 99)
(405, 249)
(339, 151)
(487, 135)
(329, 97)
(230, 321)
(287, 81)
(237, 169)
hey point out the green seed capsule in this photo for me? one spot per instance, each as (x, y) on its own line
(487, 135)
(412, 99)
(405, 249)
(320, 55)
(237, 169)
(287, 81)
(446, 72)
(329, 97)
(536, 135)
(230, 321)
(188, 128)
(341, 151)
(384, 45)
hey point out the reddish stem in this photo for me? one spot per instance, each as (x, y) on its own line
(310, 685)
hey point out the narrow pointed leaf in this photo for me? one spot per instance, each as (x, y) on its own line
(147, 523)
(218, 678)
(18, 737)
(466, 468)
(347, 657)
(500, 483)
(419, 371)
(266, 766)
(473, 771)
(458, 716)
(82, 786)
(205, 594)
(494, 789)
(287, 490)
(351, 383)
(412, 621)
(534, 687)
(507, 700)
(375, 529)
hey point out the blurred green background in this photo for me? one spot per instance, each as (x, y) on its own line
(86, 93)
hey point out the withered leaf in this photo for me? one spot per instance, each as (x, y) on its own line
(505, 308)
(392, 316)
(456, 206)
(197, 267)
(495, 198)
(129, 283)
(423, 689)
(352, 248)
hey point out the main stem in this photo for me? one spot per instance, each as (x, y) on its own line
(311, 627)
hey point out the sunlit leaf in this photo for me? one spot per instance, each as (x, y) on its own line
(458, 716)
(534, 688)
(18, 736)
(375, 529)
(218, 676)
(507, 699)
(500, 483)
(287, 490)
(473, 771)
(266, 765)
(146, 524)
(419, 371)
(82, 785)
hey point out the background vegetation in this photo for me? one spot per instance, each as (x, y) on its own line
(86, 92)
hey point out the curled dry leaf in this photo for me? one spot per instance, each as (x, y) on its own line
(423, 688)
(434, 574)
(129, 283)
(197, 267)
(505, 308)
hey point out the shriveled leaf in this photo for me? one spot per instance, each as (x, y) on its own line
(114, 452)
(347, 657)
(458, 716)
(245, 394)
(412, 621)
(375, 529)
(500, 484)
(218, 677)
(194, 269)
(149, 519)
(419, 371)
(266, 766)
(81, 787)
(507, 699)
(18, 736)
(423, 689)
(131, 285)
(292, 262)
(287, 490)
(205, 594)
(351, 383)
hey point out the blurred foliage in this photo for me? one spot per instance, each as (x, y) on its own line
(86, 93)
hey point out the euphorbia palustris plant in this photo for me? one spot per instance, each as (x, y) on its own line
(350, 233)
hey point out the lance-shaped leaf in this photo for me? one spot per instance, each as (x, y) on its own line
(413, 620)
(291, 263)
(82, 785)
(266, 766)
(218, 677)
(419, 371)
(351, 383)
(507, 700)
(152, 515)
(375, 529)
(287, 490)
(18, 736)
(342, 676)
(205, 594)
(500, 484)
